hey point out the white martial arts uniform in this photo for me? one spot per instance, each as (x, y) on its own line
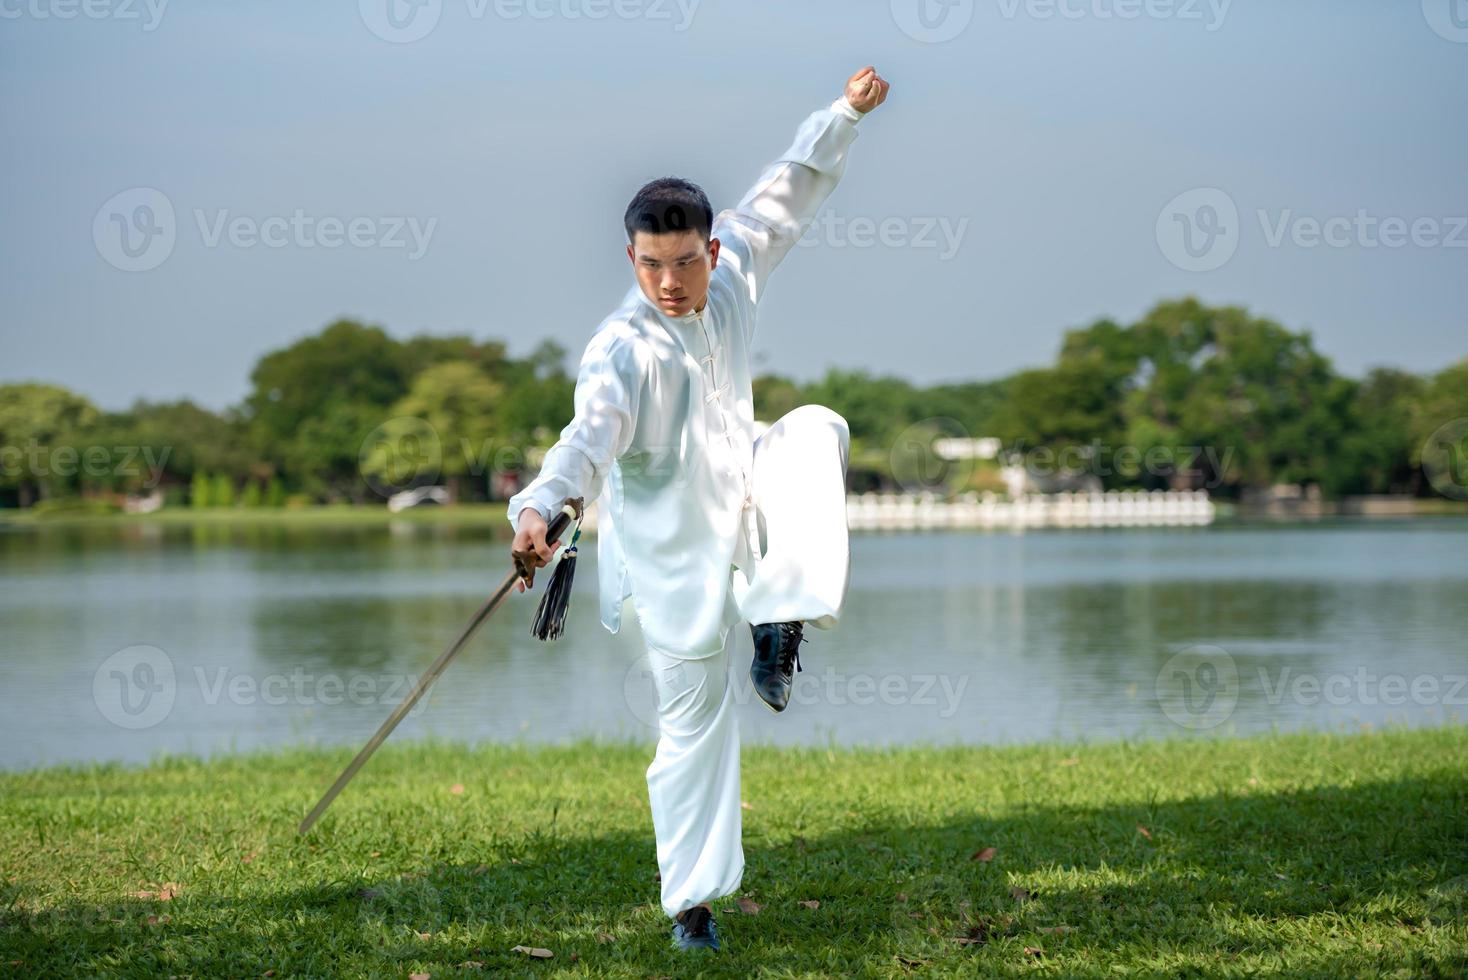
(663, 438)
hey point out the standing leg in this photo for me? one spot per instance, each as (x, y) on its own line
(693, 782)
(800, 496)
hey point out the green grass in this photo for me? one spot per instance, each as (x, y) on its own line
(1324, 855)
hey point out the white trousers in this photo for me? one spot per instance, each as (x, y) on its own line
(799, 492)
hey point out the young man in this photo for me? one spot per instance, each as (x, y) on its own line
(702, 525)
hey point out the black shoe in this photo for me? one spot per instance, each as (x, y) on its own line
(776, 659)
(695, 929)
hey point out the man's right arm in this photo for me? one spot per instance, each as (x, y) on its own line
(577, 465)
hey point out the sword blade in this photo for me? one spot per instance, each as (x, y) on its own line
(553, 533)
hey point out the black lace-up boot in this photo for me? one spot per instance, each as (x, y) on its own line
(776, 659)
(695, 929)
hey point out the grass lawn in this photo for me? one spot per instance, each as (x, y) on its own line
(1324, 855)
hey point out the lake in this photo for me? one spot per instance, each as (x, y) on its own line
(124, 642)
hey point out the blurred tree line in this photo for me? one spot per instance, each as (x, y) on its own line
(1189, 395)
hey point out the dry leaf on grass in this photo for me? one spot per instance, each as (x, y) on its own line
(986, 854)
(471, 965)
(166, 893)
(1034, 951)
(1020, 894)
(811, 903)
(745, 805)
(535, 951)
(425, 935)
(457, 789)
(1055, 930)
(749, 906)
(1144, 831)
(417, 976)
(605, 937)
(1070, 762)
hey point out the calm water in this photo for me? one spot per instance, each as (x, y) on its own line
(122, 643)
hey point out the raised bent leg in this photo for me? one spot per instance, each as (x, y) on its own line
(800, 495)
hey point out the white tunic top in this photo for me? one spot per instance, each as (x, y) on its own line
(663, 433)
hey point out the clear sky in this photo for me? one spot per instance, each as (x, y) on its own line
(1024, 176)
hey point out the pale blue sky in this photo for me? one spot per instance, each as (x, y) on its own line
(1052, 143)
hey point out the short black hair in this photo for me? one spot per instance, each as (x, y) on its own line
(669, 204)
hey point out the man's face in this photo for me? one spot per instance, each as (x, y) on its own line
(673, 268)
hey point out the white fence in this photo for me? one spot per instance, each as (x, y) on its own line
(1117, 508)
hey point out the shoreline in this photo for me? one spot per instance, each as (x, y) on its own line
(492, 515)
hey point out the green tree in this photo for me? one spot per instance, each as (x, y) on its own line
(36, 420)
(457, 403)
(222, 495)
(200, 490)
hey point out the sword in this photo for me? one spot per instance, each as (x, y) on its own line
(570, 511)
